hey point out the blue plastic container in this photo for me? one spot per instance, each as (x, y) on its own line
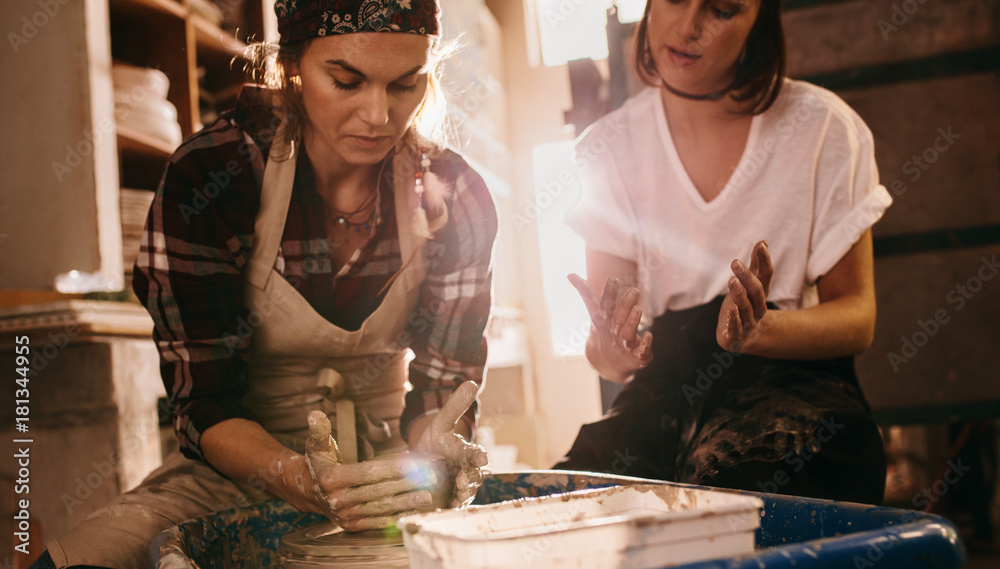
(803, 533)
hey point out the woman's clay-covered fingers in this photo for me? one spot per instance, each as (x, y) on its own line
(324, 469)
(475, 476)
(322, 455)
(475, 455)
(589, 300)
(378, 522)
(630, 327)
(743, 304)
(320, 435)
(464, 490)
(464, 453)
(644, 351)
(366, 473)
(388, 505)
(457, 404)
(752, 290)
(468, 479)
(760, 265)
(734, 328)
(609, 297)
(624, 309)
(360, 494)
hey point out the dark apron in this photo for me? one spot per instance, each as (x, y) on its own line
(703, 415)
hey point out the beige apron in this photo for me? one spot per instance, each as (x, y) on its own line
(293, 343)
(290, 344)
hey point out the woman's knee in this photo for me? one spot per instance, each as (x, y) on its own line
(853, 471)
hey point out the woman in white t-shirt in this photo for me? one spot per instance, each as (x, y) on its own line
(727, 214)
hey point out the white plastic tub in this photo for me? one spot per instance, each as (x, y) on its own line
(627, 527)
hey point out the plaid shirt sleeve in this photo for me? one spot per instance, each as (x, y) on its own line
(449, 325)
(188, 276)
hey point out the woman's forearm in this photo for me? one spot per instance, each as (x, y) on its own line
(246, 453)
(842, 324)
(602, 362)
(421, 424)
(841, 327)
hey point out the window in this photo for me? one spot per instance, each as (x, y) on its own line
(574, 29)
(557, 190)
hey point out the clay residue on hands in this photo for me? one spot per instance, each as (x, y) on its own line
(366, 495)
(464, 459)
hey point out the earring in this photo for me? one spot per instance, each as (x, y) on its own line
(420, 175)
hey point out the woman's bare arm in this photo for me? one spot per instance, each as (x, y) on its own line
(842, 324)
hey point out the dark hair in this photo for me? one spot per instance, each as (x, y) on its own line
(759, 72)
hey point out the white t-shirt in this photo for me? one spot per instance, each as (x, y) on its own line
(807, 183)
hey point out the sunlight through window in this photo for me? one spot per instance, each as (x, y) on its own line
(557, 189)
(574, 29)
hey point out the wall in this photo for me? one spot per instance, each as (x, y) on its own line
(923, 76)
(565, 388)
(59, 161)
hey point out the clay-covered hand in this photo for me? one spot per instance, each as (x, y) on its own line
(367, 495)
(745, 304)
(615, 325)
(465, 460)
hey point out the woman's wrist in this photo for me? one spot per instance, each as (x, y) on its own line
(605, 366)
(243, 451)
(817, 332)
(758, 340)
(297, 483)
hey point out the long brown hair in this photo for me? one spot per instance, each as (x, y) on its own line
(759, 72)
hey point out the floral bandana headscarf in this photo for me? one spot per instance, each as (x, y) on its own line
(304, 19)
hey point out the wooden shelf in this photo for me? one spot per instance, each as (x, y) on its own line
(166, 35)
(90, 317)
(213, 40)
(134, 142)
(15, 298)
(169, 7)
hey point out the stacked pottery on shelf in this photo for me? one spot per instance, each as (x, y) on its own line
(141, 103)
(135, 206)
(208, 10)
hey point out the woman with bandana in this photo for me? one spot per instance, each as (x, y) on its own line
(296, 250)
(727, 214)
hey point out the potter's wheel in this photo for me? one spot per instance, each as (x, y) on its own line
(326, 545)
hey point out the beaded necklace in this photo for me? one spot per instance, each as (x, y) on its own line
(343, 218)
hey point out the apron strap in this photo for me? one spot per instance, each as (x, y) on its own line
(275, 195)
